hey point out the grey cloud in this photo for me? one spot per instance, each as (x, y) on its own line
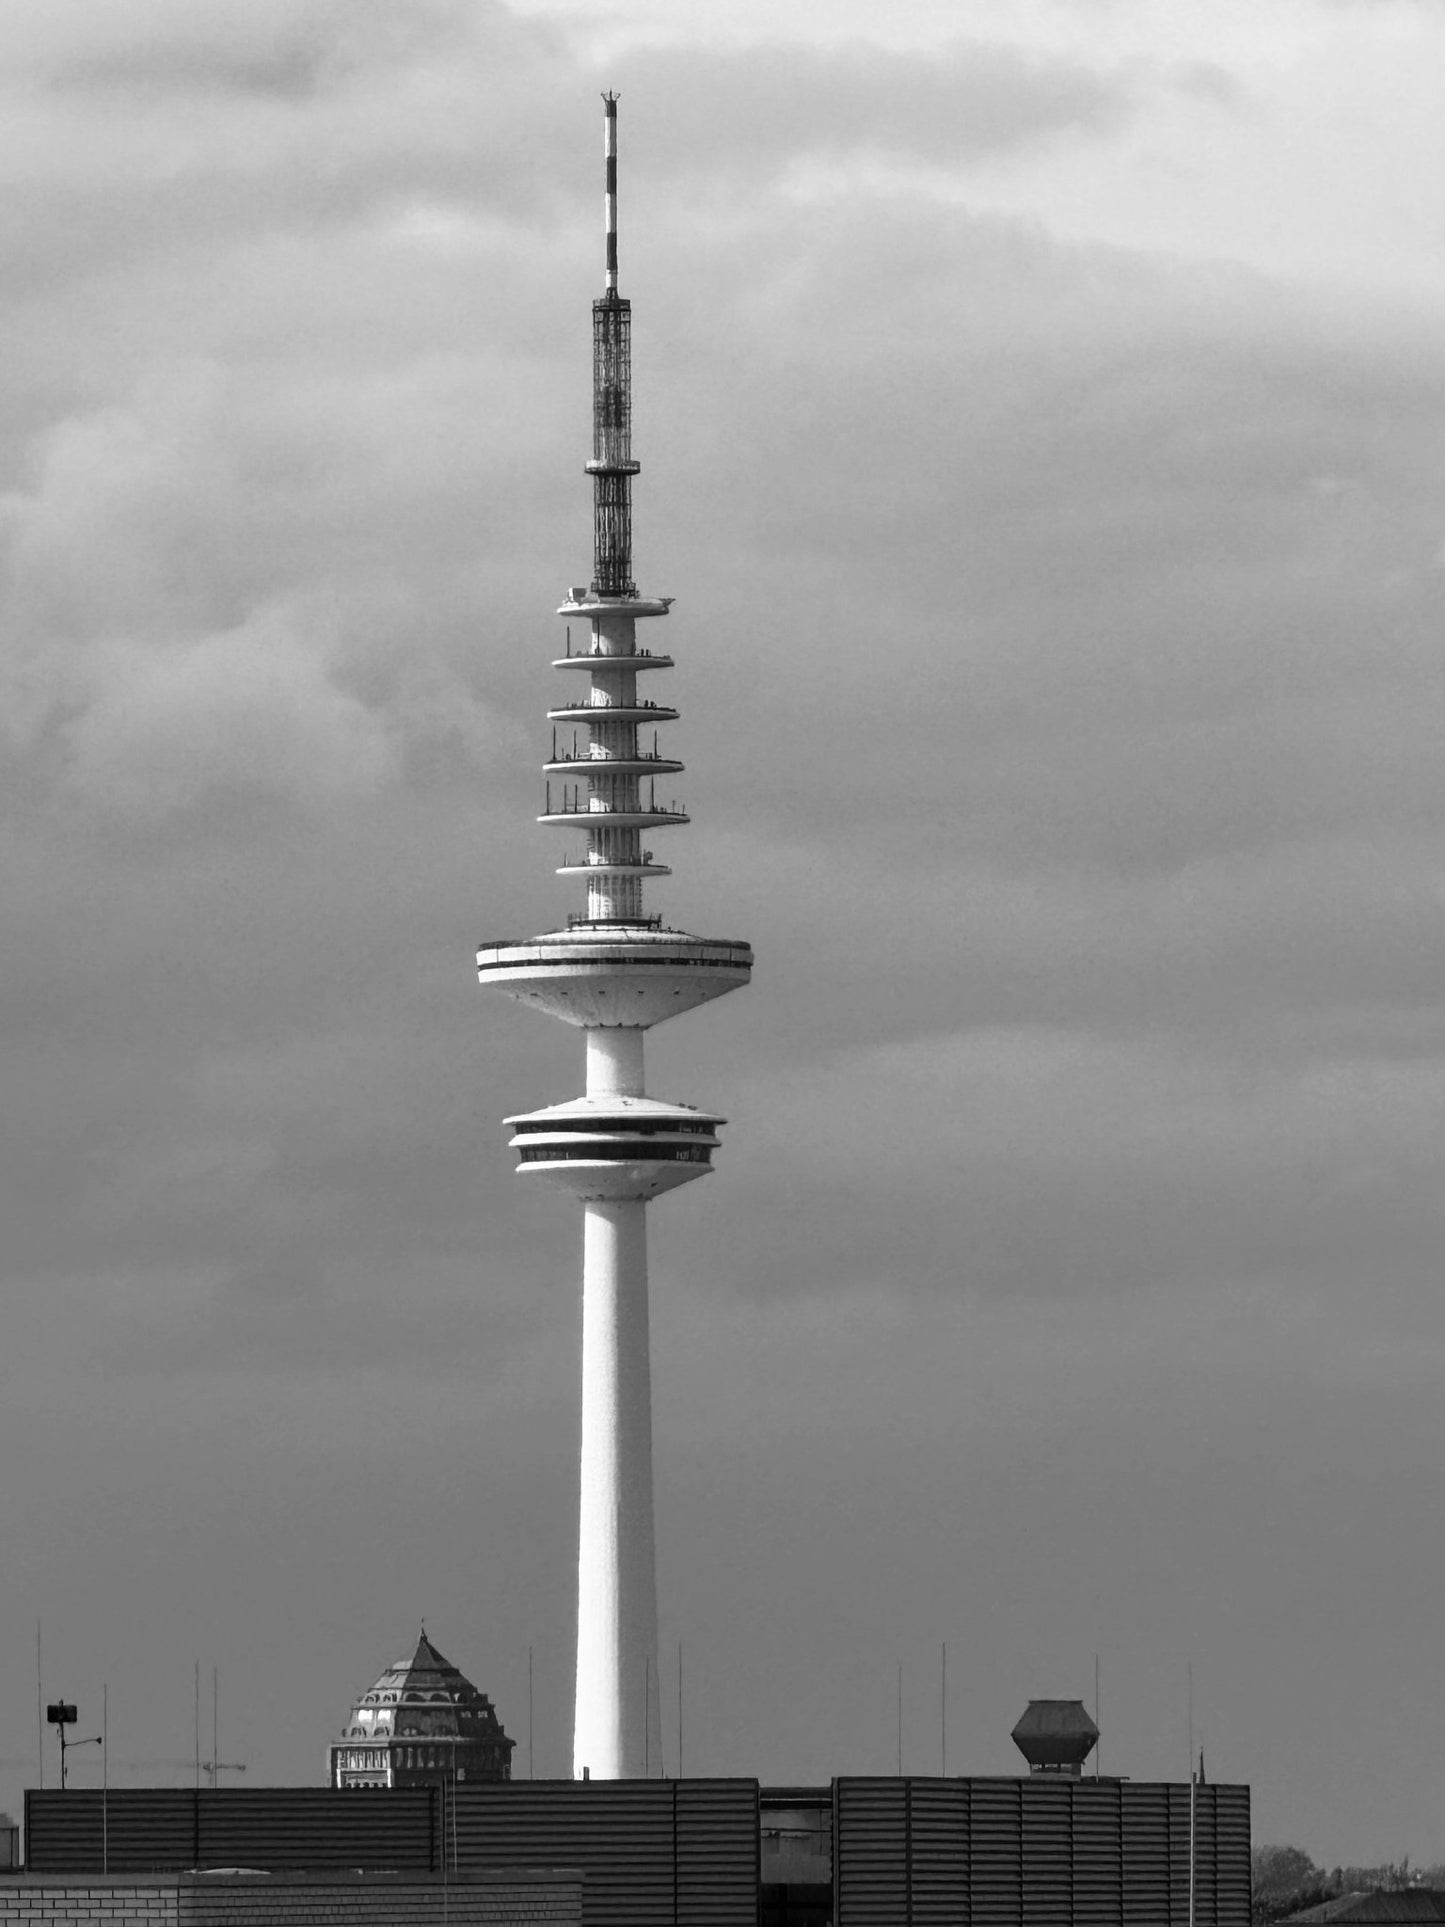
(1084, 1164)
(152, 643)
(1074, 814)
(291, 50)
(1057, 637)
(767, 104)
(1206, 80)
(290, 120)
(1097, 542)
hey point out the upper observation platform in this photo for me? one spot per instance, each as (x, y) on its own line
(600, 706)
(601, 764)
(582, 602)
(601, 662)
(601, 974)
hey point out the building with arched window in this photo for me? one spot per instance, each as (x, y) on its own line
(421, 1724)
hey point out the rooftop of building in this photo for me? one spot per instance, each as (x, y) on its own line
(420, 1695)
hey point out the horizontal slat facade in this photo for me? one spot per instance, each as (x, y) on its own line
(305, 1827)
(939, 1837)
(170, 1829)
(1206, 1887)
(995, 1853)
(1144, 1818)
(1046, 1828)
(1178, 1856)
(1231, 1848)
(999, 1852)
(653, 1853)
(870, 1853)
(149, 1828)
(718, 1852)
(1097, 1854)
(619, 1834)
(1037, 1852)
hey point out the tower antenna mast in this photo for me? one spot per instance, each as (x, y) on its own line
(614, 971)
(612, 467)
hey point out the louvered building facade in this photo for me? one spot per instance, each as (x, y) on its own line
(1041, 1851)
(1038, 1852)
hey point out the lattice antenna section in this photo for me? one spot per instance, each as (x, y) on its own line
(612, 467)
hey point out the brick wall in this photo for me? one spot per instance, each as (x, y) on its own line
(282, 1902)
(52, 1900)
(530, 1898)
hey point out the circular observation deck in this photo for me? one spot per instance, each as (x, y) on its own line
(612, 712)
(614, 819)
(598, 663)
(582, 602)
(610, 1148)
(597, 975)
(613, 766)
(587, 866)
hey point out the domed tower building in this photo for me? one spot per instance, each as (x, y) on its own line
(421, 1724)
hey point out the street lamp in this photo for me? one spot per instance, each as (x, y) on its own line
(60, 1715)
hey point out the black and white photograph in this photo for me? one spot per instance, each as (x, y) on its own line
(519, 520)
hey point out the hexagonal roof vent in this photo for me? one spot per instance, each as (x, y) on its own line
(1055, 1736)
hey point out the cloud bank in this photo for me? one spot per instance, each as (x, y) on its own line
(1058, 630)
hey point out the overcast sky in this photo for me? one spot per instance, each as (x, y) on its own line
(1042, 417)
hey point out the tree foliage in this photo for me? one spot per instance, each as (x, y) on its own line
(1281, 1870)
(1286, 1881)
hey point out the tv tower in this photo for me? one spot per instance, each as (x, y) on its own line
(614, 972)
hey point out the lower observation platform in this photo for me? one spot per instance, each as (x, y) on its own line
(613, 1147)
(599, 975)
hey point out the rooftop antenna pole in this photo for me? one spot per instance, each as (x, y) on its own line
(679, 1709)
(1098, 1744)
(612, 467)
(1190, 1678)
(61, 1714)
(1189, 1706)
(215, 1725)
(943, 1712)
(900, 1719)
(531, 1758)
(39, 1708)
(610, 198)
(198, 1726)
(104, 1779)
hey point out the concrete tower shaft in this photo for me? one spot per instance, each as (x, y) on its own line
(614, 971)
(617, 1728)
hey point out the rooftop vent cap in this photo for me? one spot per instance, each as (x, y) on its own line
(1055, 1736)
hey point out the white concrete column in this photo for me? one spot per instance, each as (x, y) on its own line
(615, 633)
(614, 1062)
(618, 1730)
